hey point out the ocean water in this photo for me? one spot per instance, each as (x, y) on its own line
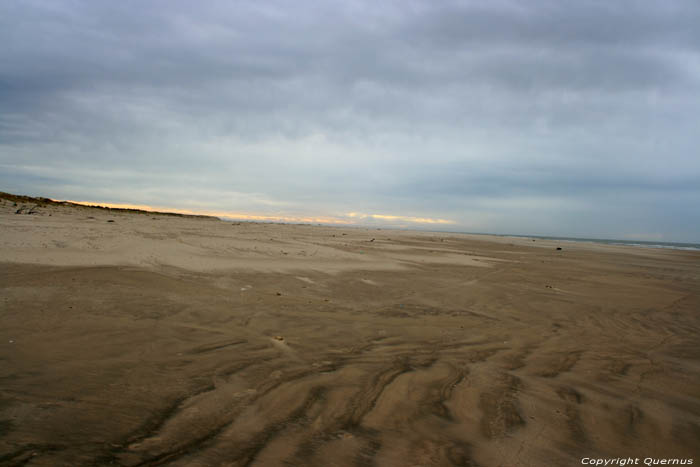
(647, 244)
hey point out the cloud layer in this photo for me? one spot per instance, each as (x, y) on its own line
(565, 119)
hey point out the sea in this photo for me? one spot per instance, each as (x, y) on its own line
(608, 241)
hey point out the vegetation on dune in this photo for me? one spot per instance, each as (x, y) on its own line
(42, 202)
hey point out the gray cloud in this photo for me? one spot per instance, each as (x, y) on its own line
(545, 118)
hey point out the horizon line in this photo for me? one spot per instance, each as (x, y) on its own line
(349, 218)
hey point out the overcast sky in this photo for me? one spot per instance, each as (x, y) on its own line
(554, 118)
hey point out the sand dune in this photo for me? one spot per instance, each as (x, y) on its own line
(162, 340)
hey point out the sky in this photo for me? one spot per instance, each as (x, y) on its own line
(545, 117)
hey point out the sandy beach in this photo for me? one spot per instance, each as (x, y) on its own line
(143, 339)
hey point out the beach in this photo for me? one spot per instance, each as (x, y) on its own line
(134, 338)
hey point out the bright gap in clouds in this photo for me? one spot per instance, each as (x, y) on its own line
(352, 218)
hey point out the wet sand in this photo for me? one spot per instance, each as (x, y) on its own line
(159, 340)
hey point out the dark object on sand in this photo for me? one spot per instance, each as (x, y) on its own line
(558, 248)
(26, 210)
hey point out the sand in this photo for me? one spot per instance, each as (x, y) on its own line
(161, 340)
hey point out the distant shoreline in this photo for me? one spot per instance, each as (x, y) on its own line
(601, 241)
(607, 241)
